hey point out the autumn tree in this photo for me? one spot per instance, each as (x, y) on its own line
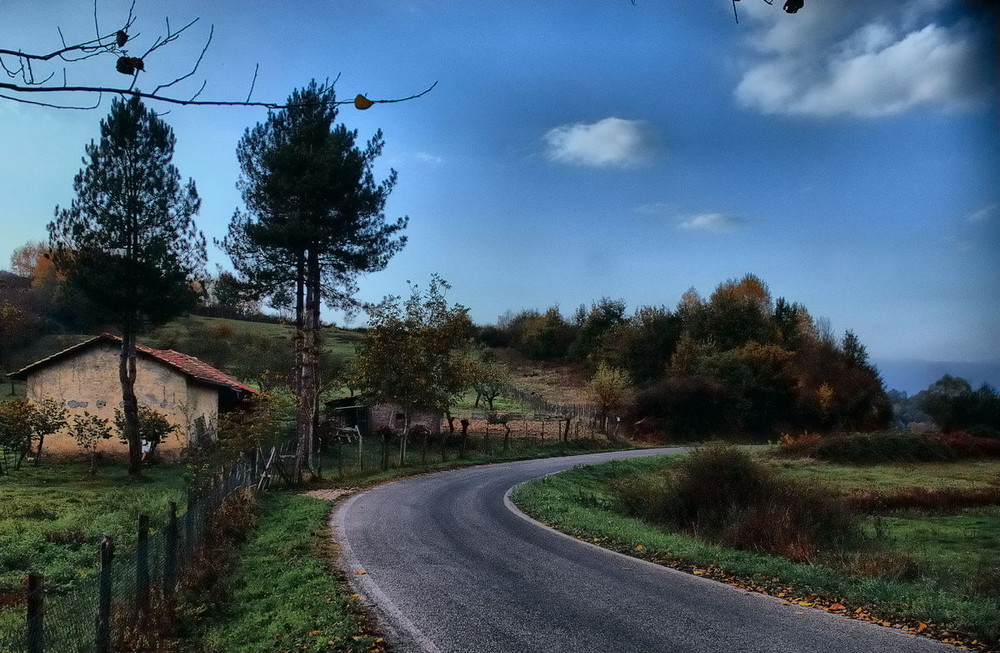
(128, 244)
(611, 391)
(314, 221)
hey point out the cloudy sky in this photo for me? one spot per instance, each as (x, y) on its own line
(848, 154)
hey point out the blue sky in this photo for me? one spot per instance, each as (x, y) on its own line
(848, 154)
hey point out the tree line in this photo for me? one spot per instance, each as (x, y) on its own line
(737, 362)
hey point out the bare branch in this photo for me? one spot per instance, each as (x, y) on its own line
(197, 63)
(253, 82)
(172, 100)
(51, 106)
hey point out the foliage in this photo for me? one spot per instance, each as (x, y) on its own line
(127, 243)
(415, 352)
(897, 445)
(954, 405)
(489, 377)
(88, 431)
(611, 390)
(721, 493)
(748, 365)
(154, 427)
(17, 420)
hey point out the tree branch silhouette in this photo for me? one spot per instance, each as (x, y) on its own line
(30, 87)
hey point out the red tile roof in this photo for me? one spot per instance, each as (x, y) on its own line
(188, 365)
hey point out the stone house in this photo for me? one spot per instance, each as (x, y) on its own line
(84, 378)
(354, 412)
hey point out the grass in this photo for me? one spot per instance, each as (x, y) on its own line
(949, 549)
(52, 517)
(938, 476)
(286, 596)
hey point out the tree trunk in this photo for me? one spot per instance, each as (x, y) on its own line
(465, 436)
(300, 323)
(130, 406)
(38, 454)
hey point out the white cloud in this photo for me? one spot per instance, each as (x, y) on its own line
(610, 142)
(656, 208)
(984, 214)
(427, 157)
(713, 223)
(863, 61)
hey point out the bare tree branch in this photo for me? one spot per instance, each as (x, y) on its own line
(24, 81)
(172, 100)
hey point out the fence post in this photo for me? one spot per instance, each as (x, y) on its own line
(189, 524)
(102, 639)
(36, 613)
(142, 566)
(170, 553)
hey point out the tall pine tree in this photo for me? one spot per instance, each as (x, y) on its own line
(314, 221)
(128, 244)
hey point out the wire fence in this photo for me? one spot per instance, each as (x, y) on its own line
(132, 598)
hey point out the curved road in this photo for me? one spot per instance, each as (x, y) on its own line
(450, 567)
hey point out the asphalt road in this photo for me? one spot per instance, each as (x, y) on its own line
(450, 566)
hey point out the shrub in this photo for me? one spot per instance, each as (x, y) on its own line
(721, 493)
(889, 446)
(881, 564)
(925, 499)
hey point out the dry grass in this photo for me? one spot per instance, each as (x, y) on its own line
(556, 382)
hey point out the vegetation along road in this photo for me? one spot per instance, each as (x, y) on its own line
(448, 565)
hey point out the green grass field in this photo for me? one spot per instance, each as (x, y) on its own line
(286, 593)
(954, 552)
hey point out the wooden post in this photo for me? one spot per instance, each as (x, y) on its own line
(102, 639)
(465, 437)
(142, 566)
(189, 520)
(170, 554)
(36, 613)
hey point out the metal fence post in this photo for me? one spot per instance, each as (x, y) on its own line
(36, 613)
(102, 639)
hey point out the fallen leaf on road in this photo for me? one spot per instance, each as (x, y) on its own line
(359, 572)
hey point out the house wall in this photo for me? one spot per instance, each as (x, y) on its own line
(88, 382)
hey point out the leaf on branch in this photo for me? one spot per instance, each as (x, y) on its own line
(362, 103)
(121, 38)
(128, 65)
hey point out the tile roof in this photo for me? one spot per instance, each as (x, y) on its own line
(188, 365)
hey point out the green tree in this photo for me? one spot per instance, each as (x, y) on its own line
(88, 431)
(49, 417)
(127, 244)
(314, 222)
(17, 420)
(154, 428)
(415, 353)
(489, 377)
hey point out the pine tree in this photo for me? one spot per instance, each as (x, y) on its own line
(128, 244)
(313, 223)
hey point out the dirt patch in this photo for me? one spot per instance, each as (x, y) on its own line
(331, 494)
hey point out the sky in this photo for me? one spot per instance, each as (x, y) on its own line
(848, 154)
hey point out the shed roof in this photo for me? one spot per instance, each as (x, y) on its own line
(193, 368)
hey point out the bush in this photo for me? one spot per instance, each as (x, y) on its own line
(721, 494)
(889, 446)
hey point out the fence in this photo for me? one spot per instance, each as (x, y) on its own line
(132, 597)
